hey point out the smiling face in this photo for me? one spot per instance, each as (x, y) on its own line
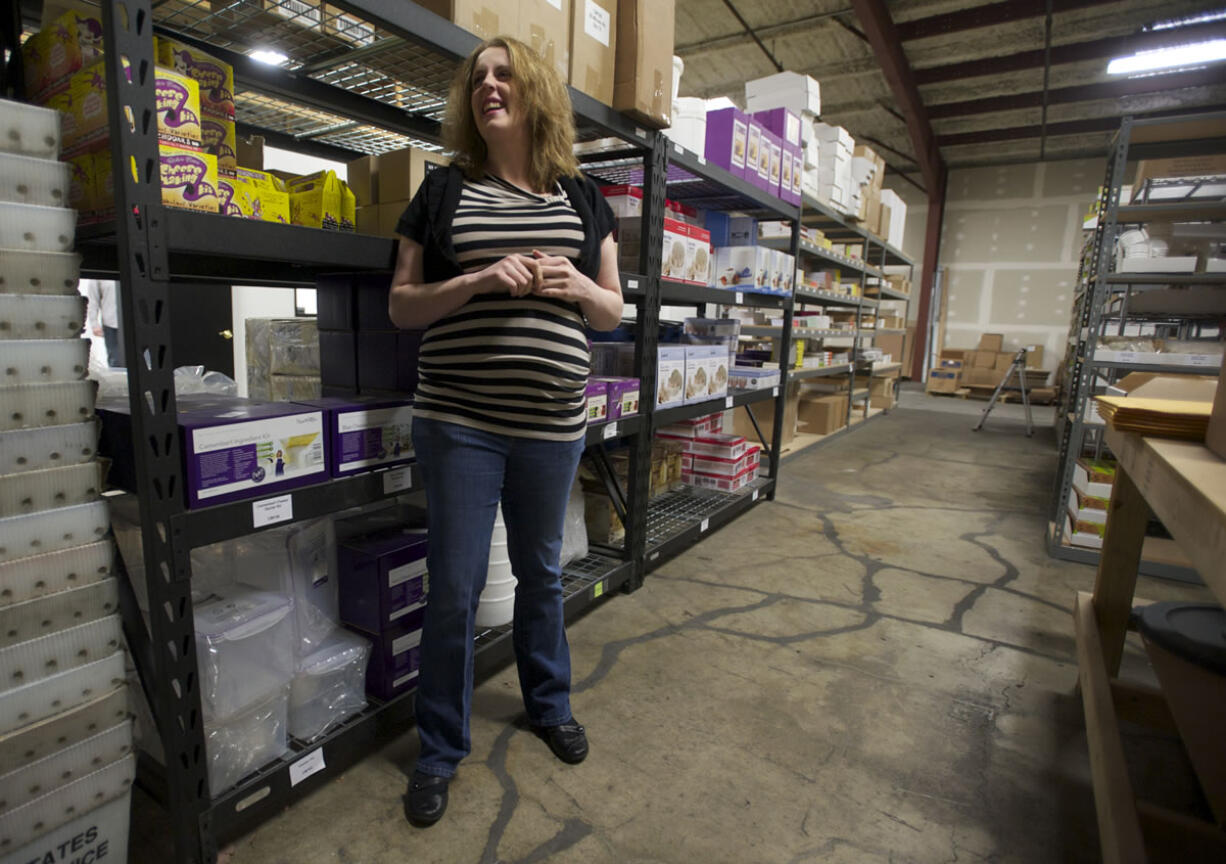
(493, 94)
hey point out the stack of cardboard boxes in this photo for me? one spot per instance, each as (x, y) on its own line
(383, 186)
(984, 368)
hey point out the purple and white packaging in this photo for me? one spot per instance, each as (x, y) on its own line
(364, 434)
(753, 151)
(782, 122)
(597, 394)
(395, 658)
(798, 174)
(383, 579)
(623, 396)
(727, 140)
(762, 179)
(776, 163)
(789, 180)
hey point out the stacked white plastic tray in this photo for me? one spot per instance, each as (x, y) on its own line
(65, 733)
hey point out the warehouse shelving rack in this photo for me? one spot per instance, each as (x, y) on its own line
(1102, 300)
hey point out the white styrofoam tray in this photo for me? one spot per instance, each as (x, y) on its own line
(41, 316)
(36, 740)
(20, 826)
(68, 649)
(52, 530)
(71, 763)
(45, 615)
(33, 180)
(28, 406)
(41, 229)
(48, 447)
(25, 272)
(34, 361)
(48, 488)
(29, 129)
(41, 699)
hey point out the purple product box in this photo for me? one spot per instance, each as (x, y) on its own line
(775, 165)
(395, 658)
(364, 434)
(784, 123)
(727, 139)
(383, 580)
(789, 187)
(232, 448)
(753, 154)
(762, 179)
(623, 396)
(597, 394)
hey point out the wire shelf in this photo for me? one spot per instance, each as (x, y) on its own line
(675, 512)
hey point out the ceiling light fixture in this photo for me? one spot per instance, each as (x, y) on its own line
(265, 55)
(1170, 58)
(1203, 18)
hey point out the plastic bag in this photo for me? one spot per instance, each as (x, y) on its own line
(574, 530)
(113, 382)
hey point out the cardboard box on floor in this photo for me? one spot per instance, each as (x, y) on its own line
(943, 380)
(821, 415)
(1004, 360)
(765, 413)
(978, 376)
(401, 172)
(1215, 437)
(593, 48)
(643, 72)
(1034, 356)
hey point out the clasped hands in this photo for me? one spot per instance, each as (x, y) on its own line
(544, 275)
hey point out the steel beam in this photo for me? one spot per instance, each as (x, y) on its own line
(989, 15)
(932, 247)
(307, 146)
(1070, 127)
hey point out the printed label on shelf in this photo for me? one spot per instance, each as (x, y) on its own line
(728, 402)
(642, 133)
(610, 431)
(755, 494)
(702, 160)
(598, 589)
(1128, 357)
(597, 22)
(653, 556)
(397, 480)
(312, 763)
(272, 510)
(740, 297)
(774, 391)
(632, 283)
(678, 147)
(703, 526)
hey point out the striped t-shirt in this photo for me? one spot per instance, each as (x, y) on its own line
(513, 366)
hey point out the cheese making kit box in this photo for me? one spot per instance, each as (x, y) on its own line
(383, 578)
(623, 396)
(322, 200)
(216, 79)
(643, 68)
(66, 45)
(593, 48)
(727, 140)
(220, 138)
(364, 434)
(597, 395)
(189, 180)
(232, 448)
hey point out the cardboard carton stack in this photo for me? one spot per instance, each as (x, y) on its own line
(868, 172)
(835, 148)
(383, 186)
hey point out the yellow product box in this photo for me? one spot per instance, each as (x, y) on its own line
(226, 205)
(50, 56)
(260, 195)
(81, 194)
(189, 179)
(86, 124)
(322, 200)
(216, 79)
(220, 139)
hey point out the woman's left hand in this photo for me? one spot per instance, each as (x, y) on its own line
(559, 279)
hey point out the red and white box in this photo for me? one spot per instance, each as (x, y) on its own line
(720, 446)
(694, 427)
(719, 481)
(625, 201)
(722, 467)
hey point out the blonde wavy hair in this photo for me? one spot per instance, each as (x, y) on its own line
(541, 94)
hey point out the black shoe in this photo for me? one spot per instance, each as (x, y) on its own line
(425, 802)
(568, 741)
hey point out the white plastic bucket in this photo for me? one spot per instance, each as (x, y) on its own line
(496, 606)
(678, 68)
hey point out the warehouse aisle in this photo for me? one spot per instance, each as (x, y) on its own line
(877, 667)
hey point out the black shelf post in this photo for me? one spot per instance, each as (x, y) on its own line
(145, 302)
(785, 365)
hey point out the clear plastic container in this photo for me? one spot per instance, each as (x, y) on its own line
(45, 615)
(52, 530)
(29, 129)
(40, 229)
(42, 815)
(48, 447)
(244, 648)
(37, 740)
(34, 491)
(42, 361)
(239, 744)
(29, 406)
(313, 579)
(48, 655)
(38, 700)
(41, 316)
(33, 180)
(66, 765)
(100, 835)
(330, 685)
(26, 272)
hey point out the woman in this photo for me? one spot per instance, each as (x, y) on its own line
(504, 255)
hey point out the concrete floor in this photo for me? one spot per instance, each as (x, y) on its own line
(876, 667)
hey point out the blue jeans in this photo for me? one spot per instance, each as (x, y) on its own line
(466, 473)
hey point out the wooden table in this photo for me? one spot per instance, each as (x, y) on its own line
(1184, 485)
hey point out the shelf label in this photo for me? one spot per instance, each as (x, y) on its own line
(632, 283)
(1128, 357)
(598, 589)
(397, 480)
(653, 556)
(728, 402)
(642, 133)
(774, 391)
(755, 494)
(312, 763)
(703, 526)
(270, 511)
(740, 297)
(702, 160)
(678, 147)
(610, 431)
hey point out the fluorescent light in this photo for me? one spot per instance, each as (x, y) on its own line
(265, 55)
(1175, 56)
(1203, 18)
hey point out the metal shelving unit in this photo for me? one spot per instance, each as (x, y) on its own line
(1102, 297)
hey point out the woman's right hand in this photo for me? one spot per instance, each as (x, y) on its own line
(514, 274)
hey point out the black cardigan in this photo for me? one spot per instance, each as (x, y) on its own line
(427, 220)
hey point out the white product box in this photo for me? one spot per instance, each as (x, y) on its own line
(725, 467)
(723, 446)
(1087, 508)
(791, 90)
(1087, 538)
(675, 250)
(694, 427)
(1172, 264)
(1082, 483)
(670, 375)
(738, 268)
(625, 201)
(775, 228)
(809, 182)
(718, 481)
(894, 232)
(752, 378)
(696, 371)
(697, 255)
(836, 134)
(717, 370)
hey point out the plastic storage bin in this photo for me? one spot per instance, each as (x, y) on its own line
(330, 685)
(37, 740)
(52, 530)
(40, 229)
(26, 272)
(41, 316)
(33, 180)
(40, 575)
(34, 491)
(48, 447)
(35, 361)
(101, 835)
(20, 826)
(48, 655)
(45, 775)
(38, 700)
(29, 406)
(45, 615)
(245, 649)
(237, 745)
(29, 129)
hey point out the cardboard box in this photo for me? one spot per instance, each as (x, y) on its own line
(593, 48)
(483, 18)
(943, 380)
(84, 116)
(1209, 165)
(545, 26)
(1004, 360)
(727, 140)
(643, 71)
(189, 178)
(321, 200)
(400, 172)
(1034, 356)
(991, 342)
(821, 415)
(260, 195)
(764, 413)
(221, 140)
(982, 359)
(62, 47)
(216, 79)
(250, 151)
(1094, 477)
(1215, 437)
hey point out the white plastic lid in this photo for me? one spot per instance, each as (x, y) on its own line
(338, 650)
(240, 613)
